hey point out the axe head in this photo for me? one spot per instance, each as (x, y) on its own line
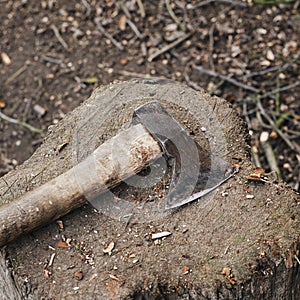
(182, 152)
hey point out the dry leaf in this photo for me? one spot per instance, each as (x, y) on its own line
(78, 275)
(113, 288)
(62, 244)
(185, 270)
(257, 174)
(2, 104)
(226, 271)
(237, 166)
(228, 275)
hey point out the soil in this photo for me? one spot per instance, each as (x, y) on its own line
(54, 54)
(60, 51)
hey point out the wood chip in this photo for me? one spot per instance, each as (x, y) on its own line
(41, 111)
(160, 235)
(2, 104)
(58, 149)
(108, 250)
(5, 59)
(270, 55)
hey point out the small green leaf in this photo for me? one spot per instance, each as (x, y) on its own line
(90, 80)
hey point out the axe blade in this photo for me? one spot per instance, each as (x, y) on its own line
(179, 147)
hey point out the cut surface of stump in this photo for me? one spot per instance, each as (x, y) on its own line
(241, 241)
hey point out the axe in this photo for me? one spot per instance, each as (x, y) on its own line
(153, 133)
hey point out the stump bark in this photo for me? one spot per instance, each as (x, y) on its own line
(239, 242)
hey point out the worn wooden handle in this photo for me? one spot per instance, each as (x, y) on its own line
(117, 159)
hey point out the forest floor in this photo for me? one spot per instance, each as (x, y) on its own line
(53, 54)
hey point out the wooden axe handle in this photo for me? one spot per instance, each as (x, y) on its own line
(115, 160)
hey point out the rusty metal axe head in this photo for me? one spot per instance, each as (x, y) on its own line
(177, 146)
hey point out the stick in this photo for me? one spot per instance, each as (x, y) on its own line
(279, 90)
(134, 28)
(170, 46)
(279, 68)
(106, 167)
(17, 122)
(173, 16)
(107, 35)
(15, 75)
(206, 2)
(228, 79)
(271, 157)
(138, 75)
(273, 125)
(141, 7)
(59, 37)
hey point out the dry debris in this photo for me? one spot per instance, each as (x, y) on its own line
(246, 53)
(78, 275)
(108, 250)
(228, 275)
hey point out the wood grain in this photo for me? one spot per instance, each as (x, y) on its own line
(117, 159)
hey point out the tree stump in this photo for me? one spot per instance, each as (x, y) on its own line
(239, 242)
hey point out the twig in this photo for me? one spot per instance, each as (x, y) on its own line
(246, 113)
(297, 259)
(134, 28)
(173, 16)
(255, 157)
(279, 68)
(137, 75)
(51, 260)
(15, 75)
(262, 72)
(189, 81)
(271, 157)
(228, 79)
(211, 46)
(58, 36)
(129, 20)
(107, 35)
(273, 125)
(125, 10)
(87, 7)
(170, 46)
(51, 59)
(284, 88)
(141, 7)
(17, 122)
(206, 2)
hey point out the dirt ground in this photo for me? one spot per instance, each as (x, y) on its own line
(54, 53)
